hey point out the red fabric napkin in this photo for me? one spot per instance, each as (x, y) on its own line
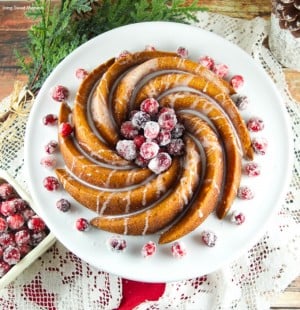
(135, 293)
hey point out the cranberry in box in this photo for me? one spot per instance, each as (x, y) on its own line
(23, 234)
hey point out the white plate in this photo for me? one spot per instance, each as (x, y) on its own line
(269, 188)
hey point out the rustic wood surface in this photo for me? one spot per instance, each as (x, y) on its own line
(13, 35)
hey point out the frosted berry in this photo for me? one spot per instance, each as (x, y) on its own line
(149, 47)
(117, 244)
(245, 193)
(165, 109)
(7, 239)
(221, 70)
(160, 163)
(241, 102)
(37, 237)
(51, 183)
(126, 149)
(178, 249)
(36, 223)
(63, 205)
(22, 237)
(207, 62)
(138, 141)
(82, 224)
(209, 238)
(237, 81)
(27, 213)
(19, 204)
(141, 162)
(251, 169)
(15, 221)
(151, 130)
(140, 118)
(11, 255)
(65, 129)
(238, 218)
(6, 191)
(60, 93)
(177, 131)
(164, 137)
(148, 249)
(123, 55)
(150, 106)
(260, 145)
(255, 124)
(167, 120)
(3, 225)
(182, 52)
(24, 248)
(128, 131)
(51, 147)
(176, 147)
(81, 73)
(4, 268)
(48, 161)
(8, 207)
(1, 252)
(149, 150)
(50, 120)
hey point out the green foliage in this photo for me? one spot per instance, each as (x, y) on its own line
(60, 29)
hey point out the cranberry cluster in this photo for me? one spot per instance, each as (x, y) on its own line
(152, 136)
(20, 228)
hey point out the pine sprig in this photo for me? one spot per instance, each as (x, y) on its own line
(58, 30)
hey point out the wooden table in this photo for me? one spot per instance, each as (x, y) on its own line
(13, 28)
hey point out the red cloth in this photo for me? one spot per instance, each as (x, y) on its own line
(135, 293)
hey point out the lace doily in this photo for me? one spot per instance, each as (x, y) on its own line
(60, 280)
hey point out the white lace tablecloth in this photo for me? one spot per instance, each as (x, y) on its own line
(61, 280)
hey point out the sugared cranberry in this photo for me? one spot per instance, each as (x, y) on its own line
(50, 119)
(8, 207)
(1, 252)
(22, 236)
(65, 129)
(149, 47)
(81, 73)
(207, 62)
(238, 218)
(151, 130)
(128, 131)
(164, 137)
(221, 70)
(11, 255)
(176, 147)
(165, 109)
(150, 106)
(245, 193)
(15, 221)
(160, 163)
(139, 119)
(51, 183)
(148, 249)
(251, 169)
(141, 162)
(241, 102)
(63, 205)
(37, 237)
(182, 52)
(138, 141)
(3, 225)
(178, 131)
(126, 149)
(123, 55)
(237, 81)
(82, 224)
(60, 93)
(6, 191)
(209, 238)
(117, 244)
(48, 161)
(260, 145)
(149, 150)
(27, 213)
(36, 223)
(178, 249)
(24, 248)
(6, 239)
(255, 124)
(19, 204)
(51, 147)
(167, 120)
(4, 268)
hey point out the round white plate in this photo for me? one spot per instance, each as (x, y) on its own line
(269, 187)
